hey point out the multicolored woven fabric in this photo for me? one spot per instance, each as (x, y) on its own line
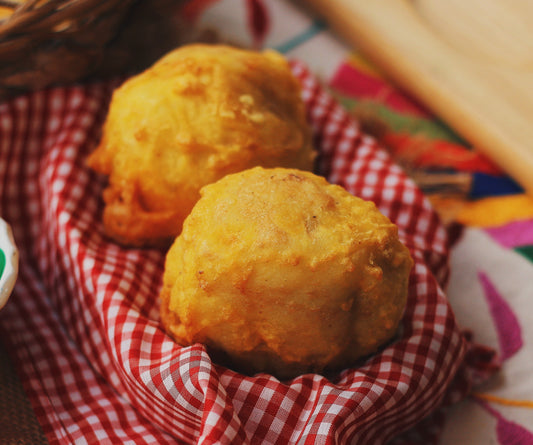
(83, 324)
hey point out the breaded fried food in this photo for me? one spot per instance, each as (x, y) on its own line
(199, 113)
(277, 270)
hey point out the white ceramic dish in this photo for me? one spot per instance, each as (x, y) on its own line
(8, 262)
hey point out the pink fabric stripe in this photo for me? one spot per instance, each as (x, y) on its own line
(506, 322)
(354, 83)
(515, 234)
(509, 433)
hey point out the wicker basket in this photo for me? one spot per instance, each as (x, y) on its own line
(50, 42)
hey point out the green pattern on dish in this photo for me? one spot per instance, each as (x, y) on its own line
(2, 262)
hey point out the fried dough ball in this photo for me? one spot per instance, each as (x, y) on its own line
(199, 113)
(277, 270)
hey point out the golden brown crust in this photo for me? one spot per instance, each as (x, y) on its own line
(280, 271)
(201, 112)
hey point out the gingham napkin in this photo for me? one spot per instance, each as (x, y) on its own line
(83, 323)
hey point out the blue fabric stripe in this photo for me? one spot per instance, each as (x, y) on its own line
(484, 185)
(316, 28)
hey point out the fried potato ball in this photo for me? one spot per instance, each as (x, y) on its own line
(199, 113)
(278, 271)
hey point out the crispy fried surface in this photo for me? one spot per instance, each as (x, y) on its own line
(201, 112)
(279, 271)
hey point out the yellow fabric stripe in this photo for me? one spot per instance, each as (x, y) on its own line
(495, 211)
(504, 401)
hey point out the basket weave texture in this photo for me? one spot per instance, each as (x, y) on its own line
(52, 42)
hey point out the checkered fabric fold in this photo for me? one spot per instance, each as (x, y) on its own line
(83, 324)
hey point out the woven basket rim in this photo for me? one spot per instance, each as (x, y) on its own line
(57, 42)
(54, 17)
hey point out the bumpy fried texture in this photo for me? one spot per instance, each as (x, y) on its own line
(199, 113)
(276, 270)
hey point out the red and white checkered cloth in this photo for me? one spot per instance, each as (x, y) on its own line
(83, 323)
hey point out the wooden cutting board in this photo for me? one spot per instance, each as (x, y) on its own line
(470, 61)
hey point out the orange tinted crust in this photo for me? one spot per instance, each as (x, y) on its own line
(278, 271)
(201, 112)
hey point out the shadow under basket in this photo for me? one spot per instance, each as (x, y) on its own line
(57, 42)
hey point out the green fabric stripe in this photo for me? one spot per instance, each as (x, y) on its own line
(316, 28)
(526, 251)
(433, 129)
